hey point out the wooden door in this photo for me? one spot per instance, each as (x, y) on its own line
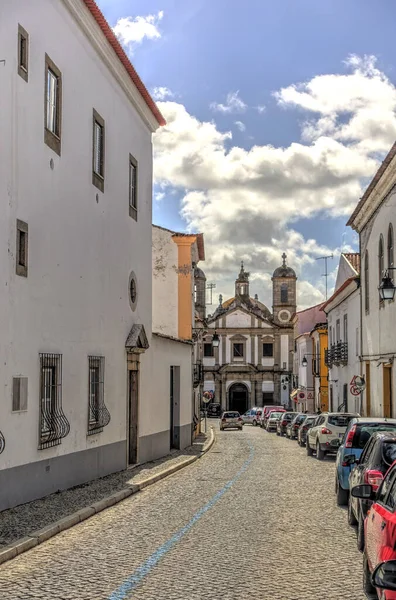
(368, 390)
(387, 390)
(133, 412)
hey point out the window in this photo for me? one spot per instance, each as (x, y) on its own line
(385, 487)
(390, 246)
(23, 52)
(208, 350)
(338, 333)
(98, 151)
(238, 350)
(284, 293)
(268, 350)
(389, 452)
(133, 187)
(53, 423)
(53, 105)
(366, 282)
(19, 393)
(22, 248)
(345, 329)
(268, 398)
(98, 415)
(380, 259)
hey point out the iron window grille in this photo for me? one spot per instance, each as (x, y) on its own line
(54, 425)
(2, 442)
(98, 414)
(238, 350)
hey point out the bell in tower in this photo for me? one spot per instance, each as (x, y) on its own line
(284, 292)
(242, 284)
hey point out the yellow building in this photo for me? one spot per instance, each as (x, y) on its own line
(319, 366)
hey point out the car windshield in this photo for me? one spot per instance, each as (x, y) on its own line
(289, 416)
(231, 415)
(365, 431)
(340, 420)
(389, 451)
(309, 420)
(275, 415)
(300, 418)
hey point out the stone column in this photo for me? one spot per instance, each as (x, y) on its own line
(223, 395)
(258, 393)
(217, 389)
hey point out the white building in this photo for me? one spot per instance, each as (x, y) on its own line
(75, 251)
(375, 220)
(343, 318)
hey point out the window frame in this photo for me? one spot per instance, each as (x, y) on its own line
(233, 350)
(133, 207)
(21, 268)
(51, 138)
(366, 282)
(58, 426)
(272, 350)
(98, 414)
(211, 355)
(23, 69)
(390, 247)
(345, 328)
(98, 179)
(20, 390)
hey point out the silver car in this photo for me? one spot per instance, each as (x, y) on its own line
(231, 420)
(272, 421)
(252, 416)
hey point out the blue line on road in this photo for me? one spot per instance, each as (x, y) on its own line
(140, 573)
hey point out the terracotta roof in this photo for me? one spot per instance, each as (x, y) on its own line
(112, 39)
(354, 259)
(337, 292)
(374, 181)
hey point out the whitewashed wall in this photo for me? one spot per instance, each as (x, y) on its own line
(165, 283)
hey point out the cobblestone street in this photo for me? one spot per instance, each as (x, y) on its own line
(254, 518)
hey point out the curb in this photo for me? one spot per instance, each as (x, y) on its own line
(42, 535)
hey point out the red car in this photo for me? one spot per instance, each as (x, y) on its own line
(379, 530)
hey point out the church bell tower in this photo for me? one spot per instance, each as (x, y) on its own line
(284, 303)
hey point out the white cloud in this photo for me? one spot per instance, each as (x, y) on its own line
(162, 93)
(261, 108)
(131, 31)
(234, 104)
(241, 126)
(158, 196)
(246, 200)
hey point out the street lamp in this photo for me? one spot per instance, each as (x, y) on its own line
(387, 288)
(215, 340)
(304, 361)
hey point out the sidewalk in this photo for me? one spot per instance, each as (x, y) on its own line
(22, 521)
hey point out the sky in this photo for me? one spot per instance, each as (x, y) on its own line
(278, 116)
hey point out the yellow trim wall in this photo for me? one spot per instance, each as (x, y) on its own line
(185, 285)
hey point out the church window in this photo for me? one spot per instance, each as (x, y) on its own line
(268, 350)
(208, 350)
(238, 350)
(284, 293)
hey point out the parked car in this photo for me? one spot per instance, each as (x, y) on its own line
(379, 530)
(231, 420)
(266, 412)
(272, 420)
(294, 425)
(384, 577)
(324, 435)
(251, 416)
(214, 409)
(357, 434)
(282, 423)
(377, 456)
(302, 432)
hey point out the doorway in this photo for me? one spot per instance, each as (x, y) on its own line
(387, 390)
(133, 415)
(238, 395)
(174, 424)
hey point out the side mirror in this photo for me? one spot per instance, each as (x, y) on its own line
(384, 575)
(349, 460)
(363, 491)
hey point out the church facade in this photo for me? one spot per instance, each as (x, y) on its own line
(253, 363)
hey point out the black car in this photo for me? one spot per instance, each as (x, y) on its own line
(302, 431)
(281, 425)
(294, 425)
(377, 456)
(214, 409)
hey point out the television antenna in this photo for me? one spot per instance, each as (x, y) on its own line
(326, 273)
(211, 287)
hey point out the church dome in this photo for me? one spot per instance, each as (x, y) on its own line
(284, 270)
(198, 273)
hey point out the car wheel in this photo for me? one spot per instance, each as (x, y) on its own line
(309, 449)
(277, 432)
(360, 534)
(320, 454)
(351, 516)
(368, 587)
(341, 494)
(254, 423)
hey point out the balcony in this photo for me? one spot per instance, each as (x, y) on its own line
(198, 374)
(337, 354)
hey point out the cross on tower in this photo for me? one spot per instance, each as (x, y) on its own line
(284, 256)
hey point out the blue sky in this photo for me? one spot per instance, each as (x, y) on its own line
(260, 181)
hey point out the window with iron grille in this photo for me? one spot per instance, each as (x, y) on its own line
(22, 248)
(133, 207)
(23, 53)
(98, 415)
(98, 151)
(54, 425)
(53, 105)
(238, 350)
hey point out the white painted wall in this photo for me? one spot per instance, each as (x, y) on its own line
(267, 386)
(82, 243)
(208, 361)
(208, 386)
(238, 319)
(267, 362)
(165, 283)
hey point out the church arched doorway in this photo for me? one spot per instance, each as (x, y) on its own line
(238, 397)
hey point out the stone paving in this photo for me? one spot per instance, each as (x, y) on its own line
(19, 522)
(255, 518)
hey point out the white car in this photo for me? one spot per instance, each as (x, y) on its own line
(231, 420)
(273, 418)
(326, 433)
(252, 416)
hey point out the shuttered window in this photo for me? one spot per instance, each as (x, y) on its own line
(19, 393)
(98, 151)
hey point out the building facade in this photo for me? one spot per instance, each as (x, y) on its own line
(319, 366)
(252, 366)
(374, 219)
(343, 319)
(75, 250)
